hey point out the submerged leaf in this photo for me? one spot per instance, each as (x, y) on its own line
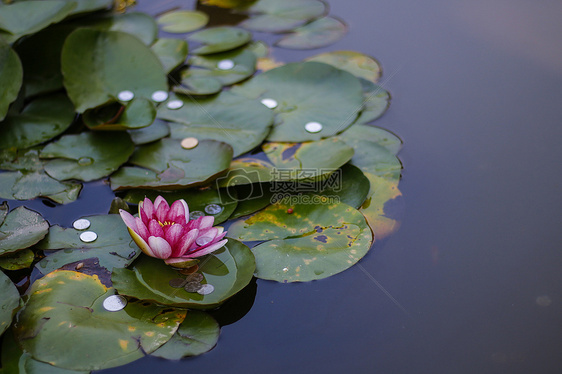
(319, 33)
(182, 21)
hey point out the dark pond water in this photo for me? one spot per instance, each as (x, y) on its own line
(472, 282)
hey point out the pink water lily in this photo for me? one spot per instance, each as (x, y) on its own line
(165, 231)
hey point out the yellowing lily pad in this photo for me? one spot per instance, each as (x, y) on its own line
(164, 164)
(182, 21)
(87, 156)
(98, 65)
(197, 334)
(232, 119)
(304, 241)
(64, 312)
(21, 229)
(11, 77)
(307, 92)
(228, 270)
(9, 301)
(319, 33)
(383, 207)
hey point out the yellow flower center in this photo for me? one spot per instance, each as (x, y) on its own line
(166, 223)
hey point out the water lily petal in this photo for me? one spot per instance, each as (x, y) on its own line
(173, 233)
(155, 229)
(183, 245)
(162, 209)
(146, 210)
(141, 229)
(206, 221)
(177, 212)
(128, 219)
(206, 250)
(141, 243)
(160, 247)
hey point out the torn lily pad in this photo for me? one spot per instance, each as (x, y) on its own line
(87, 156)
(197, 334)
(9, 301)
(228, 269)
(280, 16)
(40, 120)
(182, 21)
(314, 241)
(232, 119)
(112, 249)
(11, 77)
(319, 33)
(296, 87)
(21, 229)
(219, 39)
(67, 307)
(97, 65)
(164, 164)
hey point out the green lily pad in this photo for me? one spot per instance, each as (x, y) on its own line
(64, 313)
(157, 130)
(21, 259)
(21, 229)
(197, 82)
(28, 17)
(28, 180)
(140, 25)
(113, 247)
(9, 301)
(15, 360)
(319, 33)
(98, 65)
(11, 77)
(358, 64)
(170, 52)
(232, 119)
(197, 334)
(86, 6)
(219, 39)
(307, 160)
(166, 165)
(377, 101)
(307, 92)
(197, 200)
(315, 241)
(251, 198)
(42, 75)
(244, 65)
(358, 133)
(373, 158)
(136, 114)
(42, 119)
(247, 170)
(87, 156)
(228, 3)
(280, 16)
(228, 269)
(383, 207)
(182, 21)
(348, 185)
